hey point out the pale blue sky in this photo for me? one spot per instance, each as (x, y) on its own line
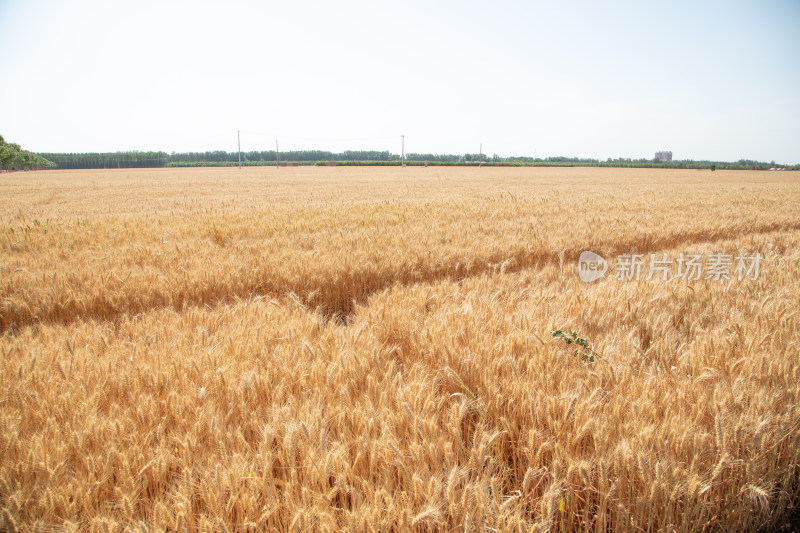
(707, 80)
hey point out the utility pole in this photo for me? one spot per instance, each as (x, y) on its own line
(277, 155)
(239, 138)
(403, 150)
(480, 155)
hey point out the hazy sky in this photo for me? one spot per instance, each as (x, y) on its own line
(707, 80)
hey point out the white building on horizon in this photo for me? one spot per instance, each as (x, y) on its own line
(664, 156)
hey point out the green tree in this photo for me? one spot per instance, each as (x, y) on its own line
(12, 156)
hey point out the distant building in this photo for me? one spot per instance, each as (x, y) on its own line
(663, 156)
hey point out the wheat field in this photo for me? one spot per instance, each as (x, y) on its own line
(364, 349)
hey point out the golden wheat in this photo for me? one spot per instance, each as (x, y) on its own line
(334, 348)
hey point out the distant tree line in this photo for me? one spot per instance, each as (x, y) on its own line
(109, 159)
(13, 157)
(359, 157)
(271, 156)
